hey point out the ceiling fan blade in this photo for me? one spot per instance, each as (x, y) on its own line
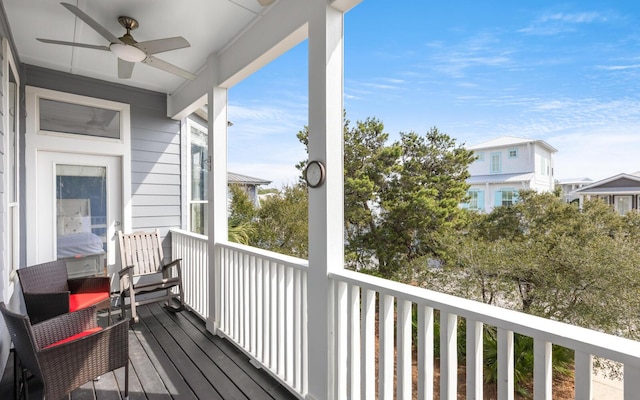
(162, 45)
(125, 69)
(92, 23)
(87, 46)
(165, 66)
(265, 3)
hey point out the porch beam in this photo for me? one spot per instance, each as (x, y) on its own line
(326, 252)
(271, 35)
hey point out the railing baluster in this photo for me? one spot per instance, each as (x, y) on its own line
(505, 364)
(631, 381)
(266, 310)
(448, 356)
(368, 375)
(542, 370)
(289, 324)
(474, 359)
(425, 352)
(341, 333)
(404, 372)
(385, 357)
(297, 318)
(583, 373)
(354, 335)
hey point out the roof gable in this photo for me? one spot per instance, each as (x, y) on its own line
(615, 182)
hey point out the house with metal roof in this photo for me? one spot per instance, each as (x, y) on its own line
(506, 165)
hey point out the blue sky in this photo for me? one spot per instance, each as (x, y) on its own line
(567, 73)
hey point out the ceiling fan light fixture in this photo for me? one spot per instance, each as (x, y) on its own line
(127, 53)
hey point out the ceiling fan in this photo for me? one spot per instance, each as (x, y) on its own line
(127, 49)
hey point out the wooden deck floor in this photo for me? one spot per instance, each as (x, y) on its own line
(172, 356)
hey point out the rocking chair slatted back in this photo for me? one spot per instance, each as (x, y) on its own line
(143, 250)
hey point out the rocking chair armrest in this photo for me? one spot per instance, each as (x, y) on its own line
(65, 325)
(128, 270)
(42, 306)
(91, 284)
(174, 263)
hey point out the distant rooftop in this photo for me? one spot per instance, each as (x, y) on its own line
(569, 181)
(510, 141)
(499, 178)
(233, 177)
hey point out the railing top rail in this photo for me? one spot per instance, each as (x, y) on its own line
(278, 258)
(189, 234)
(581, 339)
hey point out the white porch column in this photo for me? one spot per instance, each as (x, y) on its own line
(326, 250)
(217, 208)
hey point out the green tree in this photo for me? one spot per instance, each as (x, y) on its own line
(398, 196)
(241, 215)
(552, 259)
(281, 222)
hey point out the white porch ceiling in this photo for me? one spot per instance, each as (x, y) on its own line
(210, 26)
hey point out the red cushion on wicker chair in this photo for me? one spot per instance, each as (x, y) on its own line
(76, 336)
(79, 301)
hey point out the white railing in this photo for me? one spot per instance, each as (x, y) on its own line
(192, 249)
(263, 309)
(261, 305)
(355, 296)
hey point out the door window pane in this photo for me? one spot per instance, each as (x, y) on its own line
(81, 210)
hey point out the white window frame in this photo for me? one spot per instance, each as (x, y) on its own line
(473, 198)
(37, 140)
(11, 143)
(498, 157)
(513, 150)
(480, 155)
(513, 193)
(189, 200)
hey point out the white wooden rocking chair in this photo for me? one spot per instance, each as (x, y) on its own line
(144, 278)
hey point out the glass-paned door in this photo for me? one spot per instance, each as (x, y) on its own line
(623, 204)
(80, 207)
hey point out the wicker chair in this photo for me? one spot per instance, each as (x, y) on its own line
(144, 276)
(70, 350)
(49, 292)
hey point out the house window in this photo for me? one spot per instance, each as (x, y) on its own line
(509, 197)
(198, 166)
(78, 119)
(476, 200)
(545, 168)
(496, 163)
(506, 197)
(480, 156)
(513, 153)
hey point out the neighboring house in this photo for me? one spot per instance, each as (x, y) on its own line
(248, 184)
(569, 185)
(506, 165)
(621, 191)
